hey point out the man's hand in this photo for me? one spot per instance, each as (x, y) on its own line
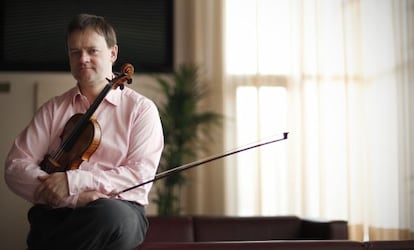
(53, 188)
(89, 196)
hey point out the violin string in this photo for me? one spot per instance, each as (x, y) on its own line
(117, 81)
(83, 122)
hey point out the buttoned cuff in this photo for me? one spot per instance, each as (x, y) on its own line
(79, 181)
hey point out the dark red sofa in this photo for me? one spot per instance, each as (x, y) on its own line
(251, 233)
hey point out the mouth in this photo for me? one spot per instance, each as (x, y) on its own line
(83, 68)
(84, 72)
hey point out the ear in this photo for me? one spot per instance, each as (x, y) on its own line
(114, 53)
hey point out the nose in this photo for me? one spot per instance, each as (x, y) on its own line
(84, 57)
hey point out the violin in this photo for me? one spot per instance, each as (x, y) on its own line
(82, 133)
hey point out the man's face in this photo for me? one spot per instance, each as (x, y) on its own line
(89, 56)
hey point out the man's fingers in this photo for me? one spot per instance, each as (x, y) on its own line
(42, 178)
(48, 191)
(89, 196)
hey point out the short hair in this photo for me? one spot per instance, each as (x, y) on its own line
(96, 23)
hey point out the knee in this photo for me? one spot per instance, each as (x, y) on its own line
(117, 212)
(125, 221)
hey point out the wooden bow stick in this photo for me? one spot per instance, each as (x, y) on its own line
(200, 162)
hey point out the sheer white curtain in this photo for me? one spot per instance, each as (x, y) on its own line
(338, 75)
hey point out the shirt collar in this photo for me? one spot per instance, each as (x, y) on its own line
(113, 96)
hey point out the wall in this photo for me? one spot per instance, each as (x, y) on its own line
(16, 108)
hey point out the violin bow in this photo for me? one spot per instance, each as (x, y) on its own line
(201, 162)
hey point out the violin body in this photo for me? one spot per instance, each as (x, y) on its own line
(81, 150)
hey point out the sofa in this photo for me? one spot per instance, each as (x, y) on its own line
(250, 233)
(231, 228)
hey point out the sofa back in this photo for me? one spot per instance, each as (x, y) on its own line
(232, 228)
(323, 230)
(170, 229)
(246, 228)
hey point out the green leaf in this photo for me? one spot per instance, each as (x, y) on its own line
(184, 127)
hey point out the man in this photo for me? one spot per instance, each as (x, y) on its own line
(76, 209)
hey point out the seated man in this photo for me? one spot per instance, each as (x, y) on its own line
(77, 208)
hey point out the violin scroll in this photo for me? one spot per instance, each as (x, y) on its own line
(127, 71)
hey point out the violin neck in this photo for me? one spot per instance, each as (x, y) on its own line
(81, 134)
(97, 102)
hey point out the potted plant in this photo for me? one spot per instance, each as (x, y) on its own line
(185, 131)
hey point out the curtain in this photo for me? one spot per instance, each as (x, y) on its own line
(337, 75)
(200, 42)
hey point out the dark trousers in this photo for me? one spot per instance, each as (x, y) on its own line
(102, 224)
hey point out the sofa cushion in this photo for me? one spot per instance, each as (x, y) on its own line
(249, 245)
(390, 245)
(246, 228)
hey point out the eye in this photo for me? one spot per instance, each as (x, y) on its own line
(93, 51)
(74, 52)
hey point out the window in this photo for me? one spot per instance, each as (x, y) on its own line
(337, 76)
(257, 74)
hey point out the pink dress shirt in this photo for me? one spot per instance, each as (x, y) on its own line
(128, 154)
